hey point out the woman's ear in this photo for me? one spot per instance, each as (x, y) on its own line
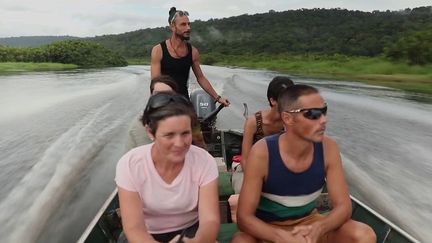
(150, 133)
(273, 102)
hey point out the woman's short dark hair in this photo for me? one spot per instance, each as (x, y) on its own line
(166, 104)
(165, 79)
(276, 86)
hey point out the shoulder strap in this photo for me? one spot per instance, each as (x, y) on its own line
(189, 47)
(164, 49)
(189, 56)
(274, 158)
(258, 118)
(319, 154)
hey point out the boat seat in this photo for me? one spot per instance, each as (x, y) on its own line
(227, 227)
(226, 232)
(224, 183)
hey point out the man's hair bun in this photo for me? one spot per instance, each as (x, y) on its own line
(172, 10)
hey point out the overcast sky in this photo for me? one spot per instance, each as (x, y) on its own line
(86, 18)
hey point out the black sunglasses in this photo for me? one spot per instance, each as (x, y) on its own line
(162, 99)
(311, 113)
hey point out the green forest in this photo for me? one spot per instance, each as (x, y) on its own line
(399, 35)
(81, 53)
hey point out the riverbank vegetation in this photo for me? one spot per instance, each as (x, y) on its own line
(138, 61)
(80, 53)
(372, 70)
(13, 67)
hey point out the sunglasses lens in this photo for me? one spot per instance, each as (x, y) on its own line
(315, 114)
(159, 100)
(312, 114)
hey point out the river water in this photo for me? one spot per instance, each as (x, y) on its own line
(61, 134)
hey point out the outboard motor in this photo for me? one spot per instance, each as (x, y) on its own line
(205, 108)
(203, 103)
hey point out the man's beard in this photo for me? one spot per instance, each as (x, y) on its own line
(182, 37)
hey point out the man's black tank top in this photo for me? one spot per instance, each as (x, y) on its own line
(177, 68)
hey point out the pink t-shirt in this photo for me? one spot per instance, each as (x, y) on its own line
(166, 207)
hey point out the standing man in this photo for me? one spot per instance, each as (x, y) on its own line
(175, 57)
(285, 175)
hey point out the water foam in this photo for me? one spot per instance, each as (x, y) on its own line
(27, 208)
(387, 198)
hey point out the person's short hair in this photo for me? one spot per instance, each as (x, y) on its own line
(166, 104)
(276, 86)
(173, 13)
(288, 98)
(165, 79)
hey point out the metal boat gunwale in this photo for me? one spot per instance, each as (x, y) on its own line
(98, 215)
(385, 220)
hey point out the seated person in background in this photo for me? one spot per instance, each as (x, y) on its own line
(262, 124)
(285, 174)
(137, 134)
(168, 187)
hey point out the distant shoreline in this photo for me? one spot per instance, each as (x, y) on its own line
(370, 70)
(19, 67)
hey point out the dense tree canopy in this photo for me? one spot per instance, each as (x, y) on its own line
(304, 31)
(81, 53)
(415, 47)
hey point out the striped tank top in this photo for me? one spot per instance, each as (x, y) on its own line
(286, 194)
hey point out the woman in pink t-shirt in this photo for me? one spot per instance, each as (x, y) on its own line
(168, 188)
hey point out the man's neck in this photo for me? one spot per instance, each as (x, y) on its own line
(178, 46)
(295, 146)
(176, 42)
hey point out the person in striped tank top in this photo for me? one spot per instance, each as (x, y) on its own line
(285, 175)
